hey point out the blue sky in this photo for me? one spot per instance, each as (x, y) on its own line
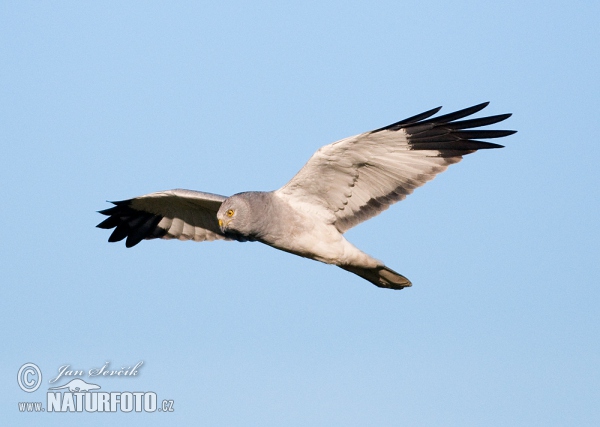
(111, 100)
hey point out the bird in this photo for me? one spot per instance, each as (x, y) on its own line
(342, 184)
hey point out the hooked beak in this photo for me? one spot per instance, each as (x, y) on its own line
(223, 225)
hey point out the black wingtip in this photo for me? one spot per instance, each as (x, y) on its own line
(129, 243)
(132, 224)
(419, 117)
(410, 120)
(119, 233)
(449, 119)
(108, 223)
(110, 211)
(456, 114)
(450, 135)
(483, 145)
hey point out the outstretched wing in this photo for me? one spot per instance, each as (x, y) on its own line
(173, 214)
(356, 178)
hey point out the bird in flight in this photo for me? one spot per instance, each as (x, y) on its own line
(342, 185)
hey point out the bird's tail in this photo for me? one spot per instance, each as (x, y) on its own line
(383, 277)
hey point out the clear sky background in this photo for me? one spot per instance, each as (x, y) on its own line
(110, 100)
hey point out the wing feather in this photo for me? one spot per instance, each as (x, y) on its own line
(173, 214)
(356, 178)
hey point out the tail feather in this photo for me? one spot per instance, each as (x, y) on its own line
(382, 277)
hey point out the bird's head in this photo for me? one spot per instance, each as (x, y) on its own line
(241, 216)
(233, 216)
(226, 215)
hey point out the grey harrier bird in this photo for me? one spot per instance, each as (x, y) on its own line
(342, 184)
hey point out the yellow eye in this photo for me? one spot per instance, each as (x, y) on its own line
(229, 213)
